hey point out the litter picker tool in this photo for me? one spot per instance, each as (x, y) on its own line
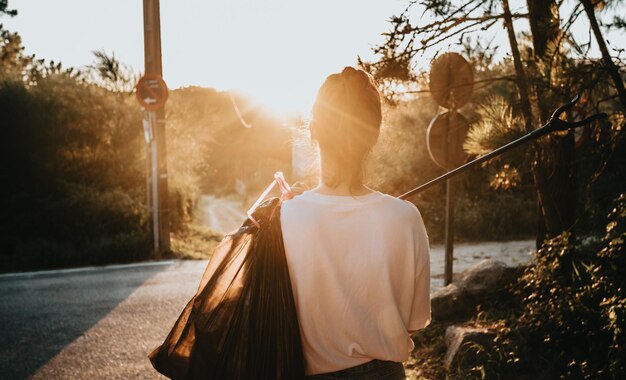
(554, 124)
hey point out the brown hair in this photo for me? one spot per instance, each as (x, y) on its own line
(347, 116)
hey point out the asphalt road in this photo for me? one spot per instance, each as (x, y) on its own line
(100, 323)
(91, 324)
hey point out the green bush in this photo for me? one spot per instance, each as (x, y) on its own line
(73, 179)
(573, 303)
(400, 162)
(45, 254)
(564, 318)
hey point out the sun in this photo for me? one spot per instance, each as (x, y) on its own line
(281, 97)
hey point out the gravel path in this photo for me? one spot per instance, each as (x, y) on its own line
(220, 214)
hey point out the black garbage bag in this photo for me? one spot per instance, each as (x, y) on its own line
(242, 322)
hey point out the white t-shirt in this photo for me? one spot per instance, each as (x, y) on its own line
(360, 271)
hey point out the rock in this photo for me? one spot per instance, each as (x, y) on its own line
(459, 300)
(483, 276)
(490, 274)
(452, 303)
(459, 339)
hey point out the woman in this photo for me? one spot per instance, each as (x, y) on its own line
(358, 259)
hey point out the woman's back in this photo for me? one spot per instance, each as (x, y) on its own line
(359, 268)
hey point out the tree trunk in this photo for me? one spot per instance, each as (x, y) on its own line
(545, 25)
(543, 16)
(606, 57)
(560, 173)
(554, 189)
(520, 74)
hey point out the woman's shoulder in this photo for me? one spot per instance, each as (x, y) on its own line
(401, 205)
(373, 199)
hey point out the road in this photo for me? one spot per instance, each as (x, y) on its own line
(91, 324)
(100, 323)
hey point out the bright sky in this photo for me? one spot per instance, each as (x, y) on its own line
(278, 51)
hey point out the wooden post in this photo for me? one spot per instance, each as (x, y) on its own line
(160, 196)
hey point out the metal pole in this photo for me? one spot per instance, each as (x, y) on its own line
(449, 218)
(449, 232)
(148, 138)
(155, 185)
(160, 200)
(149, 177)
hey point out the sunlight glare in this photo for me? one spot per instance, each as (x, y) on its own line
(279, 52)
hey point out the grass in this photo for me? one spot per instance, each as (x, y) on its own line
(191, 243)
(194, 243)
(426, 360)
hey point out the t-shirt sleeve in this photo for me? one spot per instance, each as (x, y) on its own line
(420, 309)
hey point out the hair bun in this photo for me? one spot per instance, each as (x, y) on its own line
(354, 78)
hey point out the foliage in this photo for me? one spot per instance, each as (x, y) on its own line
(73, 173)
(39, 253)
(565, 317)
(74, 157)
(110, 73)
(601, 169)
(194, 242)
(211, 149)
(4, 8)
(496, 127)
(426, 360)
(400, 162)
(553, 67)
(575, 302)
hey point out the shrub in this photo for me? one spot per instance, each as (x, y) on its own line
(400, 162)
(45, 254)
(565, 316)
(574, 303)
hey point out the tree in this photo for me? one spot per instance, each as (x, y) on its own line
(4, 8)
(540, 71)
(108, 72)
(12, 56)
(606, 57)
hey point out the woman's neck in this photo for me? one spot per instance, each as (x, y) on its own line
(341, 189)
(328, 170)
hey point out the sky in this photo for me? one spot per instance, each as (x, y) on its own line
(277, 51)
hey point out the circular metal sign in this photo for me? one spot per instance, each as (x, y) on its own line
(451, 80)
(151, 92)
(445, 138)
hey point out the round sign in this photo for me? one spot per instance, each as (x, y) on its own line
(451, 80)
(445, 138)
(151, 92)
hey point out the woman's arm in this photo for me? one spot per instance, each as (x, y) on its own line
(420, 311)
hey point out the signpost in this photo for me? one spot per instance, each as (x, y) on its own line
(152, 94)
(451, 84)
(451, 80)
(446, 135)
